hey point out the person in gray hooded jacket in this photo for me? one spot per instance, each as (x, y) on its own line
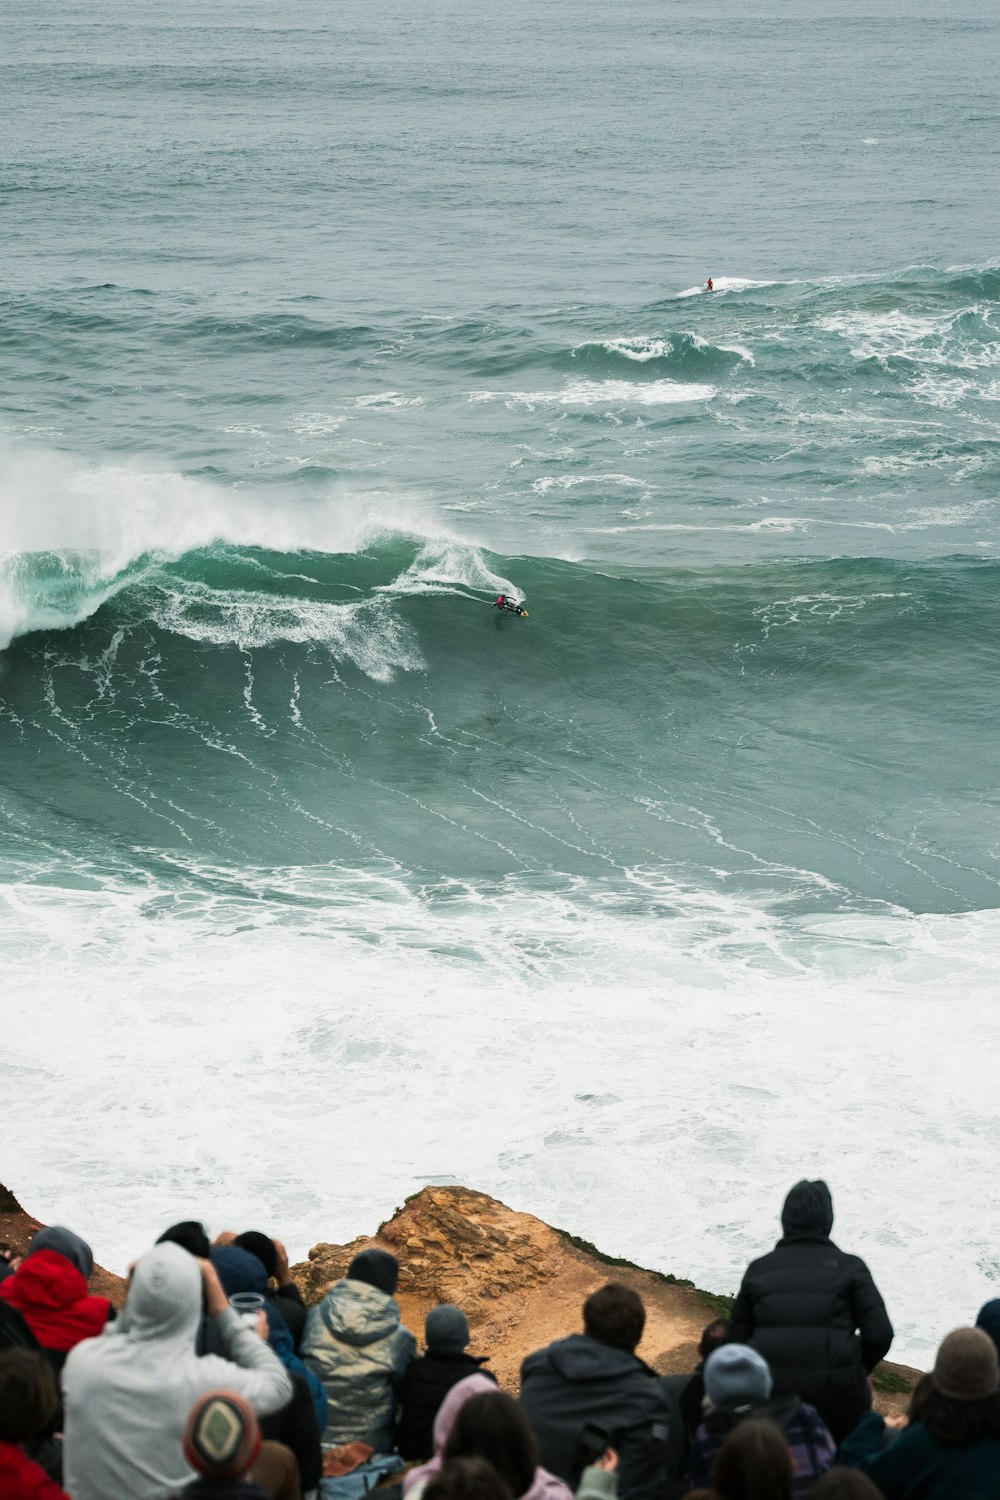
(357, 1345)
(128, 1394)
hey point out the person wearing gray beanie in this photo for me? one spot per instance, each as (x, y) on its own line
(738, 1387)
(814, 1313)
(737, 1373)
(446, 1329)
(430, 1378)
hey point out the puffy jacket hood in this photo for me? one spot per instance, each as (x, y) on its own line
(239, 1270)
(359, 1314)
(164, 1298)
(45, 1279)
(472, 1385)
(580, 1358)
(64, 1242)
(51, 1295)
(808, 1209)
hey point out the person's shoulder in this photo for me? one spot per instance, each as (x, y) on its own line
(765, 1261)
(539, 1359)
(853, 1264)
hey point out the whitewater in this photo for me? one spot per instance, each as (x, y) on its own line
(319, 879)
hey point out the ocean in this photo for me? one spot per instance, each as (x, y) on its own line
(319, 878)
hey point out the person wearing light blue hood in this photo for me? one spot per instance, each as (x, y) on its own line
(357, 1345)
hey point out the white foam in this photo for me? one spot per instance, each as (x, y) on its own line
(738, 349)
(361, 632)
(921, 339)
(90, 526)
(575, 481)
(641, 349)
(643, 1081)
(386, 401)
(604, 393)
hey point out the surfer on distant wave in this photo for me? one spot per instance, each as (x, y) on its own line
(502, 602)
(709, 286)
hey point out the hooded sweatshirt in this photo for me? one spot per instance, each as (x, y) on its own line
(358, 1347)
(814, 1313)
(545, 1485)
(49, 1290)
(580, 1381)
(128, 1396)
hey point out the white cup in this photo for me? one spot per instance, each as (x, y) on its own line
(248, 1305)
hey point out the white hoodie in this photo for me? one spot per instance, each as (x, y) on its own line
(128, 1394)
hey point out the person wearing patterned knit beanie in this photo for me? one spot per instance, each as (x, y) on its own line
(221, 1442)
(949, 1448)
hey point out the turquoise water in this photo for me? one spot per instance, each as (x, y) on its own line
(322, 325)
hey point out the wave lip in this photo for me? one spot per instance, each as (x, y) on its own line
(684, 352)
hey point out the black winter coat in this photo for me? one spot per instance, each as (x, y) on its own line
(426, 1383)
(580, 1381)
(817, 1317)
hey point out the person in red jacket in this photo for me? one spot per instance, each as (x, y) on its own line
(49, 1290)
(28, 1402)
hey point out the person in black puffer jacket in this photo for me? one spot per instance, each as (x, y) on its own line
(814, 1313)
(429, 1379)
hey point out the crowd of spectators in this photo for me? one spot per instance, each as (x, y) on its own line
(216, 1382)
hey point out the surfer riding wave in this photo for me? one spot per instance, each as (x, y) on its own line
(502, 602)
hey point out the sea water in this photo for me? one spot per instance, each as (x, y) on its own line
(319, 880)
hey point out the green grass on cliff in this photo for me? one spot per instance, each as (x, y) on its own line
(716, 1302)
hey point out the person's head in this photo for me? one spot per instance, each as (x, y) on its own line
(845, 1484)
(164, 1295)
(461, 1391)
(467, 1479)
(959, 1401)
(222, 1437)
(988, 1319)
(737, 1375)
(713, 1337)
(494, 1427)
(29, 1396)
(64, 1242)
(191, 1235)
(376, 1268)
(238, 1270)
(446, 1329)
(754, 1463)
(260, 1245)
(808, 1209)
(615, 1315)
